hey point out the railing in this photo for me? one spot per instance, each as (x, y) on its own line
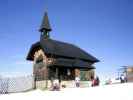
(16, 84)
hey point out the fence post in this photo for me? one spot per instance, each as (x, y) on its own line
(7, 86)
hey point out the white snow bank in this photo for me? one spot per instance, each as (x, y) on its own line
(107, 92)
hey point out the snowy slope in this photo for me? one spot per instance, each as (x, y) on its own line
(107, 92)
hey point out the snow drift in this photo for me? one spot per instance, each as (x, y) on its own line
(106, 92)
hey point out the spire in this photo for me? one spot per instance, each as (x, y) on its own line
(45, 26)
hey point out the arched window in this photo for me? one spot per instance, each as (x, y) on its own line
(39, 59)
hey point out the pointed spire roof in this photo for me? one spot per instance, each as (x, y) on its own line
(45, 26)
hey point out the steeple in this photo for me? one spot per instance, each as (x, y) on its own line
(45, 27)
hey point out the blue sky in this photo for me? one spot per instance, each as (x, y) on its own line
(104, 28)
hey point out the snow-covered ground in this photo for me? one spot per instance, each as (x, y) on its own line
(106, 92)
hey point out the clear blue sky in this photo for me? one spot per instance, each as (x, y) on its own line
(104, 28)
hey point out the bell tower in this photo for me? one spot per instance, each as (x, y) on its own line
(45, 27)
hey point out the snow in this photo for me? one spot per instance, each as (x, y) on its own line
(106, 92)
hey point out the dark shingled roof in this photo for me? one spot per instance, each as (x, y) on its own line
(67, 55)
(61, 49)
(72, 63)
